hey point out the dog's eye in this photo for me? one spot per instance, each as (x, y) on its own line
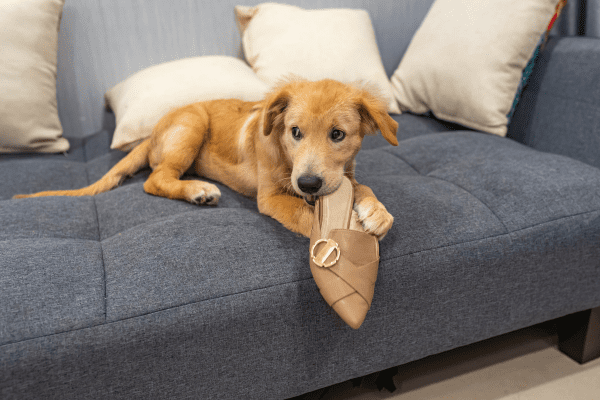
(337, 136)
(296, 134)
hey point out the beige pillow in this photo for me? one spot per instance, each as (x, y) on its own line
(142, 99)
(281, 41)
(466, 60)
(28, 51)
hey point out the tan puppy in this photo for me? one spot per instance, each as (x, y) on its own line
(296, 143)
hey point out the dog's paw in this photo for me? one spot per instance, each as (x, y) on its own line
(204, 193)
(374, 217)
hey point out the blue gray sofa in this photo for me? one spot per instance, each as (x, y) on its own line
(126, 295)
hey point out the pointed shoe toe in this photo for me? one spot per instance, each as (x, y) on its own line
(352, 309)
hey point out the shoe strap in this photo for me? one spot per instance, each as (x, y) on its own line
(336, 208)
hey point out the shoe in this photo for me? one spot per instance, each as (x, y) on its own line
(343, 258)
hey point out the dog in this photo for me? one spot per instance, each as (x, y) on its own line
(296, 144)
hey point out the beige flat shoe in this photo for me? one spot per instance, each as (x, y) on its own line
(343, 258)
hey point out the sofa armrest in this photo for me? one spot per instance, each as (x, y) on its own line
(559, 111)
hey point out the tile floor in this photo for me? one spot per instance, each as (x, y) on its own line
(523, 365)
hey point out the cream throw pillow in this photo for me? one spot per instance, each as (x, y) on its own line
(28, 51)
(465, 61)
(281, 41)
(142, 99)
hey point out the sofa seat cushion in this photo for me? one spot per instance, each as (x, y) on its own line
(489, 236)
(443, 189)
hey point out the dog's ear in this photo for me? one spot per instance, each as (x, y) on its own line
(374, 117)
(275, 105)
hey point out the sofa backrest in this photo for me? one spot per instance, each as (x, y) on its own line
(102, 42)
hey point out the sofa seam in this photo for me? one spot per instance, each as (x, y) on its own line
(85, 157)
(509, 234)
(106, 322)
(506, 230)
(167, 217)
(101, 258)
(49, 238)
(300, 280)
(404, 161)
(99, 240)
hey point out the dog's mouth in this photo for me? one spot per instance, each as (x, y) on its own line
(310, 199)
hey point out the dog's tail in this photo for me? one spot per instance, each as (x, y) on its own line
(132, 163)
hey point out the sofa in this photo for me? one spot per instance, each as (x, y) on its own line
(127, 295)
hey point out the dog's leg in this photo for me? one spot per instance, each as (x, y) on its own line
(293, 212)
(164, 181)
(177, 147)
(371, 213)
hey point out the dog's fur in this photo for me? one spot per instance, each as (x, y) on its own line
(250, 147)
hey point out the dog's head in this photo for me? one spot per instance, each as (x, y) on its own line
(320, 127)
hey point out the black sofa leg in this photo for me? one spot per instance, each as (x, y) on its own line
(382, 379)
(579, 335)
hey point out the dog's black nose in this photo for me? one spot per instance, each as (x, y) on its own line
(309, 183)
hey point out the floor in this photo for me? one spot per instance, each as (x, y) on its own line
(523, 365)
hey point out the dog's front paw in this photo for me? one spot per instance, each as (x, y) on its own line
(374, 217)
(203, 193)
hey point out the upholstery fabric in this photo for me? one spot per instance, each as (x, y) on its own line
(559, 110)
(130, 295)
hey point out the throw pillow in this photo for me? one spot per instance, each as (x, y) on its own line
(283, 41)
(28, 51)
(466, 60)
(142, 99)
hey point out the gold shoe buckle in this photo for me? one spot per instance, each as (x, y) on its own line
(325, 252)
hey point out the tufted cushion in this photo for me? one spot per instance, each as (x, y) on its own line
(489, 236)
